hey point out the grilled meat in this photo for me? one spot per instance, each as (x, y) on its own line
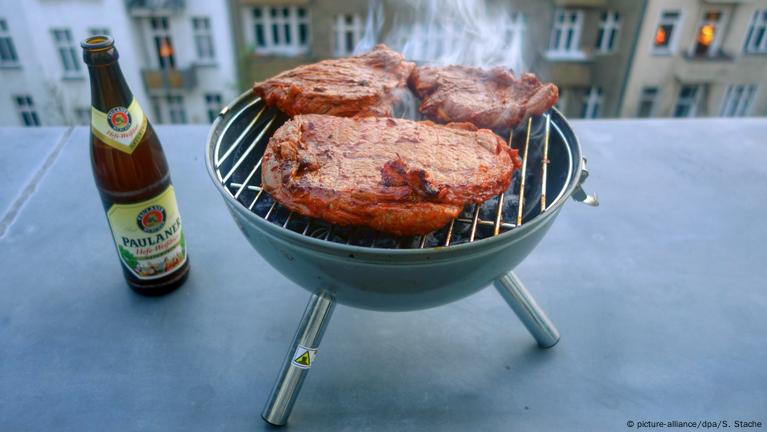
(392, 175)
(488, 98)
(364, 85)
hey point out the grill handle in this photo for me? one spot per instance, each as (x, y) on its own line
(579, 194)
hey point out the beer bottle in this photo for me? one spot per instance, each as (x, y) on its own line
(132, 177)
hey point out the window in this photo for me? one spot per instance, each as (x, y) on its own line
(687, 103)
(8, 56)
(62, 38)
(709, 34)
(162, 43)
(737, 100)
(176, 110)
(157, 108)
(647, 102)
(99, 31)
(213, 104)
(203, 39)
(592, 103)
(566, 34)
(515, 29)
(562, 100)
(83, 116)
(756, 40)
(280, 30)
(348, 31)
(26, 109)
(608, 31)
(665, 34)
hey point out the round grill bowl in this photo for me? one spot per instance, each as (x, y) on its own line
(381, 278)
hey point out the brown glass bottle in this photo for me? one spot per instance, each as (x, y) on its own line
(132, 177)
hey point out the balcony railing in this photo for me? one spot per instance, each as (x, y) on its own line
(154, 7)
(170, 79)
(719, 55)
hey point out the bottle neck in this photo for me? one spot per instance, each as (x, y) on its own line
(108, 87)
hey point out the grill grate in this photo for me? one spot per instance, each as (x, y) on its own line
(237, 161)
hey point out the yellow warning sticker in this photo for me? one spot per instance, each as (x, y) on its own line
(303, 358)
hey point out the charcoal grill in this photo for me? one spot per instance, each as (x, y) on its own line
(371, 270)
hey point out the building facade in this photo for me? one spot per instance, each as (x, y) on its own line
(45, 82)
(699, 58)
(584, 46)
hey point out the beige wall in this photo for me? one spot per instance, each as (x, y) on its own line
(670, 72)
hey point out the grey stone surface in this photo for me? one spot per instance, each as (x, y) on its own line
(659, 295)
(23, 152)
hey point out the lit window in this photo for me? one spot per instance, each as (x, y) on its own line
(647, 102)
(737, 100)
(348, 32)
(592, 103)
(756, 40)
(566, 33)
(203, 39)
(279, 30)
(709, 31)
(665, 34)
(163, 45)
(65, 45)
(8, 56)
(608, 31)
(26, 109)
(213, 105)
(687, 103)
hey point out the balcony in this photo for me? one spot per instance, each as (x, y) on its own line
(170, 79)
(703, 68)
(142, 8)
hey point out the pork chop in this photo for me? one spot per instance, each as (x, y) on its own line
(488, 98)
(393, 175)
(364, 85)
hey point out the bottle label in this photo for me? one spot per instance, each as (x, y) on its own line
(121, 128)
(148, 235)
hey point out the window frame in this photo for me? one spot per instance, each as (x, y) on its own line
(714, 48)
(758, 21)
(694, 101)
(174, 104)
(609, 25)
(341, 31)
(67, 53)
(25, 108)
(202, 34)
(670, 48)
(6, 39)
(157, 34)
(740, 107)
(96, 31)
(555, 49)
(289, 42)
(593, 100)
(652, 101)
(213, 105)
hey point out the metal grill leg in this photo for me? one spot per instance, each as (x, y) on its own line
(532, 316)
(299, 359)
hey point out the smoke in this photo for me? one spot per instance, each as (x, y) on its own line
(468, 32)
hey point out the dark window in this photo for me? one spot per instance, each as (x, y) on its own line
(647, 102)
(213, 104)
(8, 54)
(25, 106)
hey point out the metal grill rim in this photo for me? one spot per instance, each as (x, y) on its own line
(500, 226)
